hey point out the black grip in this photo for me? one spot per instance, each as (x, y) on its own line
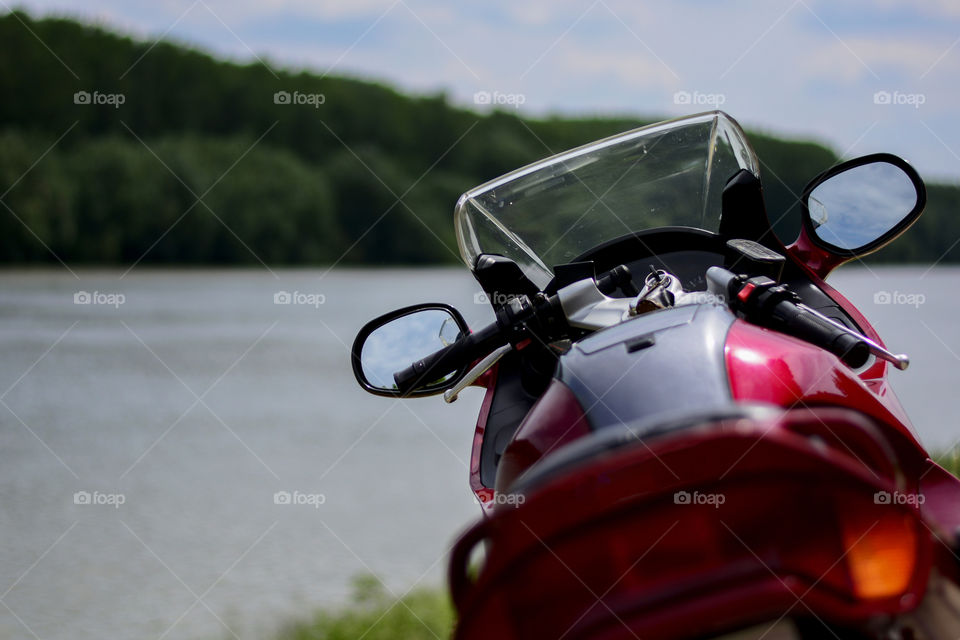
(802, 324)
(618, 278)
(433, 367)
(441, 363)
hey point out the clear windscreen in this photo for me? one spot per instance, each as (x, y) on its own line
(669, 174)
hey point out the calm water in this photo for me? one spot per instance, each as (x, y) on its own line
(197, 399)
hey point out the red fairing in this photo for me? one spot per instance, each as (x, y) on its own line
(770, 367)
(556, 419)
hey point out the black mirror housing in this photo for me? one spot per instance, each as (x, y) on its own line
(362, 367)
(853, 232)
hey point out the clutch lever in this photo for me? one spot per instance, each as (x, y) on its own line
(451, 394)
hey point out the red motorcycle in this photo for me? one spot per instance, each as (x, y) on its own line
(686, 432)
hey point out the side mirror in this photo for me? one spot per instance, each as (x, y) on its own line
(395, 340)
(860, 205)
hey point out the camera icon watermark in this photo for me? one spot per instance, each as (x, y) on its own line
(899, 498)
(96, 498)
(499, 98)
(96, 98)
(899, 298)
(495, 298)
(297, 98)
(898, 98)
(699, 99)
(298, 498)
(698, 498)
(99, 298)
(299, 298)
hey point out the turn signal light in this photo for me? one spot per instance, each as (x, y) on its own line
(881, 555)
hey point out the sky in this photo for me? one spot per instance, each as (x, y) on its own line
(860, 75)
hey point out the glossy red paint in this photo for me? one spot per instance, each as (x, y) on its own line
(941, 491)
(555, 420)
(819, 262)
(767, 366)
(484, 494)
(609, 550)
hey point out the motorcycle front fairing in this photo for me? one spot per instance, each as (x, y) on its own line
(665, 197)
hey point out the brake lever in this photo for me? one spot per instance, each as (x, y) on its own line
(899, 360)
(451, 394)
(718, 283)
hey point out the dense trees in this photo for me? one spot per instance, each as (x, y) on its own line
(113, 151)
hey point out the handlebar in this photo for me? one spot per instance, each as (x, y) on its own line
(764, 302)
(516, 321)
(447, 360)
(799, 322)
(759, 299)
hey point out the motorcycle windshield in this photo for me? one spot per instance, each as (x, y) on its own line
(669, 174)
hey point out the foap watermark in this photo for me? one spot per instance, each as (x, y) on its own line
(899, 498)
(498, 98)
(898, 297)
(496, 298)
(299, 298)
(296, 97)
(509, 499)
(96, 98)
(298, 498)
(698, 98)
(696, 497)
(99, 298)
(898, 98)
(97, 498)
(705, 297)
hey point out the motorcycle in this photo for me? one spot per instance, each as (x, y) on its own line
(685, 432)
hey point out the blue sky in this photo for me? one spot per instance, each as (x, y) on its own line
(803, 68)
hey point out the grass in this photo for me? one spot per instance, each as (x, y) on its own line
(950, 461)
(373, 614)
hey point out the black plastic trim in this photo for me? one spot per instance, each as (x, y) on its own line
(886, 238)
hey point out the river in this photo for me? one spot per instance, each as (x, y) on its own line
(145, 429)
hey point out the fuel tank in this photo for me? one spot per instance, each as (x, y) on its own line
(642, 372)
(651, 367)
(664, 367)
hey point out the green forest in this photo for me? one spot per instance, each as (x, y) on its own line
(114, 151)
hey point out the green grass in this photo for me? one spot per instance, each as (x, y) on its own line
(950, 461)
(374, 614)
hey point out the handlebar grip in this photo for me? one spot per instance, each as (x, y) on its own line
(447, 360)
(807, 326)
(432, 367)
(618, 278)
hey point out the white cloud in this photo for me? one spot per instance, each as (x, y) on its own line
(631, 70)
(929, 8)
(911, 57)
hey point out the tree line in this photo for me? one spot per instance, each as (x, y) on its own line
(114, 150)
